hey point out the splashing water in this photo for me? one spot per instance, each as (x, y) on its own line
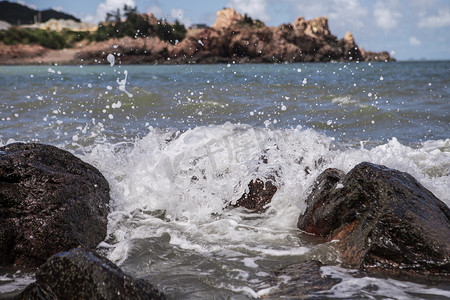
(189, 139)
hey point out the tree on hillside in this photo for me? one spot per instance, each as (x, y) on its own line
(137, 25)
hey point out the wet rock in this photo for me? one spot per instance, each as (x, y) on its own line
(304, 279)
(384, 219)
(50, 201)
(83, 274)
(259, 194)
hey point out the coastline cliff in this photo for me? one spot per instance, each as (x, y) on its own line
(232, 38)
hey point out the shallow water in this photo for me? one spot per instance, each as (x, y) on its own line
(179, 143)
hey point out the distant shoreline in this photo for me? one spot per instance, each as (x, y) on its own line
(233, 37)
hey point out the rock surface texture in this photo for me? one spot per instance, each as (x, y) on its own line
(50, 201)
(82, 274)
(304, 279)
(259, 194)
(384, 219)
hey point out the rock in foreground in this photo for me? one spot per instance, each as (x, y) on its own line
(304, 279)
(82, 274)
(50, 201)
(384, 219)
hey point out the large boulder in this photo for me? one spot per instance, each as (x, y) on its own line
(50, 201)
(82, 274)
(384, 219)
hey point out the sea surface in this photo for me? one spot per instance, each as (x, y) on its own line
(179, 143)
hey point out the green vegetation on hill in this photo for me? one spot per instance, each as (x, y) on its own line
(137, 25)
(248, 21)
(45, 38)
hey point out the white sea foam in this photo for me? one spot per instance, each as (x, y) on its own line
(371, 287)
(179, 184)
(193, 176)
(17, 281)
(346, 100)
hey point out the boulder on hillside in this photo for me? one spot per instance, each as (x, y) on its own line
(83, 274)
(384, 219)
(50, 201)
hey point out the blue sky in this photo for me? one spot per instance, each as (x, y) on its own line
(411, 29)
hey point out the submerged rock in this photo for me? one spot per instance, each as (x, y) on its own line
(82, 274)
(259, 194)
(303, 279)
(384, 219)
(50, 201)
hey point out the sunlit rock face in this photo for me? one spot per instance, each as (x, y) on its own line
(384, 219)
(227, 17)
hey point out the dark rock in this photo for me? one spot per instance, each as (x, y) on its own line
(384, 219)
(304, 279)
(50, 201)
(259, 195)
(82, 274)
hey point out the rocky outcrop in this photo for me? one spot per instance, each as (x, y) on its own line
(233, 37)
(227, 17)
(50, 201)
(350, 49)
(375, 56)
(303, 279)
(259, 194)
(82, 274)
(384, 219)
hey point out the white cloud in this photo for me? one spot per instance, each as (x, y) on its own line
(257, 9)
(413, 41)
(348, 13)
(179, 14)
(108, 6)
(345, 14)
(441, 20)
(385, 16)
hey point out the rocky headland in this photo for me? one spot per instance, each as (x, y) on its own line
(232, 38)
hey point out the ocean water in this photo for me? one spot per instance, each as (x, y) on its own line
(179, 143)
